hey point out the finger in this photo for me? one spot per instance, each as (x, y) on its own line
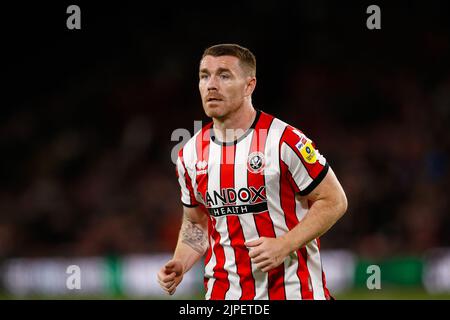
(172, 287)
(164, 279)
(164, 288)
(170, 265)
(168, 289)
(267, 268)
(162, 273)
(164, 285)
(258, 259)
(168, 284)
(254, 243)
(173, 266)
(263, 264)
(169, 278)
(254, 253)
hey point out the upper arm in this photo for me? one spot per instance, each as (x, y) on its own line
(185, 181)
(310, 174)
(306, 166)
(193, 211)
(328, 189)
(196, 215)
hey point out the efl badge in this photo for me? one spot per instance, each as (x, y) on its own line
(308, 152)
(255, 162)
(305, 147)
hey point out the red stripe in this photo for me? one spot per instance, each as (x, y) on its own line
(325, 289)
(287, 202)
(235, 232)
(324, 281)
(264, 224)
(209, 251)
(303, 274)
(221, 284)
(202, 149)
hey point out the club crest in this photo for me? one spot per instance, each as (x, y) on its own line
(256, 162)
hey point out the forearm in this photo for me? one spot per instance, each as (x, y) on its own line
(321, 216)
(192, 243)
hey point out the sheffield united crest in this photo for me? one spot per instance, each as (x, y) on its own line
(255, 162)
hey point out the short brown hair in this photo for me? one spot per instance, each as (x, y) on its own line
(246, 58)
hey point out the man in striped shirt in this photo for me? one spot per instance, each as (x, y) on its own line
(256, 194)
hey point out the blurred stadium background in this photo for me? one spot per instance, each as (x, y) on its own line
(87, 116)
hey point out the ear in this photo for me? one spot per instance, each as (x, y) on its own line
(250, 87)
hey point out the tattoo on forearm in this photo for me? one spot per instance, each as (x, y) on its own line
(194, 236)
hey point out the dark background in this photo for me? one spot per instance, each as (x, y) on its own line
(87, 116)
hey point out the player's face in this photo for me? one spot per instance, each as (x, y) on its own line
(223, 85)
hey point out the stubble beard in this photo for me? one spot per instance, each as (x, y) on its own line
(220, 112)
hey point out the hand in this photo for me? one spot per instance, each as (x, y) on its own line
(170, 275)
(267, 253)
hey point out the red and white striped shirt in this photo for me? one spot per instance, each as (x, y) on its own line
(247, 188)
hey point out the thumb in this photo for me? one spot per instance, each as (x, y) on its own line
(170, 265)
(173, 266)
(254, 243)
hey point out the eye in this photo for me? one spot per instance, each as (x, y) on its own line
(225, 76)
(203, 76)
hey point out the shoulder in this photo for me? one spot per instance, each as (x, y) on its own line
(288, 133)
(294, 136)
(188, 151)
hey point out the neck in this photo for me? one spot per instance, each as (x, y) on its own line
(235, 124)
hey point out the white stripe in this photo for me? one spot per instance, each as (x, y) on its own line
(209, 272)
(213, 180)
(234, 292)
(185, 194)
(190, 160)
(292, 283)
(315, 270)
(247, 221)
(214, 164)
(303, 180)
(272, 177)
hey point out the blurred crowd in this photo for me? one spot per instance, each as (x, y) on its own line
(86, 168)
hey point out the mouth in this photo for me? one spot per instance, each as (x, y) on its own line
(212, 99)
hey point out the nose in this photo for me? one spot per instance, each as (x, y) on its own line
(212, 83)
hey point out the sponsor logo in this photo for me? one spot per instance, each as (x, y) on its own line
(224, 203)
(230, 196)
(256, 162)
(242, 209)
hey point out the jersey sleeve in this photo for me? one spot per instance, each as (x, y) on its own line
(187, 191)
(305, 163)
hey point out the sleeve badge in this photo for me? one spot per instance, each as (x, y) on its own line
(307, 151)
